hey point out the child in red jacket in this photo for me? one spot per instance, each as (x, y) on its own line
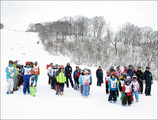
(107, 81)
(127, 93)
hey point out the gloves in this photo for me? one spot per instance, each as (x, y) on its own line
(90, 83)
(124, 94)
(132, 94)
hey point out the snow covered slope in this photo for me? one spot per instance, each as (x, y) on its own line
(46, 105)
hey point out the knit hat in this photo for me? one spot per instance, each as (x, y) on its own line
(147, 67)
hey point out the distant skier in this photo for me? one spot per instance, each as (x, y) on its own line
(10, 71)
(99, 75)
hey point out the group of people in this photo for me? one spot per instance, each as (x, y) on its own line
(58, 75)
(17, 75)
(129, 83)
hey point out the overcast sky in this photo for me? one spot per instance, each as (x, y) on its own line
(18, 15)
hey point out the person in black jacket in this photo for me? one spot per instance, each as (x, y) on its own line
(99, 75)
(139, 75)
(147, 76)
(68, 72)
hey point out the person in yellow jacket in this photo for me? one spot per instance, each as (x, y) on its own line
(61, 79)
(37, 72)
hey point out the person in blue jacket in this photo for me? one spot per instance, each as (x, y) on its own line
(27, 71)
(75, 72)
(147, 76)
(10, 71)
(68, 72)
(130, 72)
(99, 75)
(113, 86)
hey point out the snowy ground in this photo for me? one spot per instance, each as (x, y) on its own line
(46, 105)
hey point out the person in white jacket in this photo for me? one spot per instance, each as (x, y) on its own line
(86, 81)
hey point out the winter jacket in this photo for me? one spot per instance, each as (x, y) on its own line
(135, 85)
(27, 72)
(61, 78)
(99, 73)
(147, 76)
(130, 72)
(37, 69)
(80, 80)
(113, 85)
(107, 78)
(119, 72)
(86, 79)
(52, 72)
(127, 90)
(121, 83)
(10, 70)
(139, 74)
(125, 70)
(68, 70)
(74, 74)
(16, 70)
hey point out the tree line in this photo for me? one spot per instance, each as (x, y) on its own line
(93, 42)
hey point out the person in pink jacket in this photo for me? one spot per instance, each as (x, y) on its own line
(118, 70)
(135, 86)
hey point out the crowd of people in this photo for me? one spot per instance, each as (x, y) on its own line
(58, 76)
(128, 83)
(18, 75)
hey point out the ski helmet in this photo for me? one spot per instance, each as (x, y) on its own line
(134, 77)
(61, 67)
(27, 63)
(129, 78)
(127, 81)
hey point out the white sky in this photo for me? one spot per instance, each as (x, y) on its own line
(18, 15)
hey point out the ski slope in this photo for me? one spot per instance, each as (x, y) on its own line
(23, 46)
